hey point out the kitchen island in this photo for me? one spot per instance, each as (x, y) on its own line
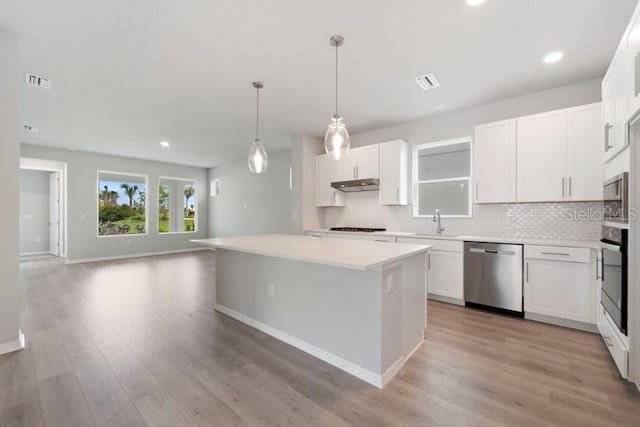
(358, 305)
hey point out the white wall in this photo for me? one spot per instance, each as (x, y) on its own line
(82, 197)
(9, 192)
(304, 213)
(363, 209)
(34, 212)
(252, 203)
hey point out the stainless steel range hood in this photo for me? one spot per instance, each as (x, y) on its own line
(369, 184)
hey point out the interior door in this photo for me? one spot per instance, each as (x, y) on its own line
(54, 213)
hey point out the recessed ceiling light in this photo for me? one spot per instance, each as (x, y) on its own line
(164, 143)
(475, 2)
(553, 57)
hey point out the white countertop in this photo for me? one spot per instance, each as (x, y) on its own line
(354, 254)
(594, 244)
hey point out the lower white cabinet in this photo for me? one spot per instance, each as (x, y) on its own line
(444, 268)
(444, 274)
(559, 283)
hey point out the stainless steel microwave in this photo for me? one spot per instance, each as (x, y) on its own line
(616, 198)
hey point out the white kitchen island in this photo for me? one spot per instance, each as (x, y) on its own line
(358, 305)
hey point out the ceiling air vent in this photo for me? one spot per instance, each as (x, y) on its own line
(37, 81)
(428, 81)
(29, 128)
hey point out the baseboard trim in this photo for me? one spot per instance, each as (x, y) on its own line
(12, 346)
(574, 324)
(449, 300)
(393, 370)
(35, 253)
(140, 255)
(349, 367)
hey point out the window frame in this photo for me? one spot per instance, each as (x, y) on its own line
(195, 218)
(416, 182)
(146, 203)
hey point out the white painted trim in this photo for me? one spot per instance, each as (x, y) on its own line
(347, 366)
(12, 346)
(397, 366)
(448, 300)
(34, 253)
(138, 255)
(583, 326)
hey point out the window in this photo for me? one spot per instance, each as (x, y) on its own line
(121, 204)
(442, 178)
(177, 205)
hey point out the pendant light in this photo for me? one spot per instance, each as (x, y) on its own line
(258, 160)
(336, 140)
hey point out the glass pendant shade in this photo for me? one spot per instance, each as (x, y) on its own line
(258, 160)
(336, 140)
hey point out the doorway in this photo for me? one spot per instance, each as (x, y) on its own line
(42, 208)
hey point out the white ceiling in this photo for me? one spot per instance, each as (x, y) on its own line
(129, 74)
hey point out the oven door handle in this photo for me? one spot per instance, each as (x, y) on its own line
(610, 247)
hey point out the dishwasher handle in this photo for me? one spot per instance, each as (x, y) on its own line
(490, 251)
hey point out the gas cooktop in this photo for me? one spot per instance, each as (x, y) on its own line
(358, 229)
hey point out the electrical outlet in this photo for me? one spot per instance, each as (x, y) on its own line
(389, 283)
(271, 290)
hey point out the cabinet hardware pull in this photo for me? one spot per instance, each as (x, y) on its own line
(607, 341)
(607, 131)
(477, 191)
(527, 271)
(357, 172)
(570, 191)
(555, 253)
(428, 261)
(563, 187)
(398, 194)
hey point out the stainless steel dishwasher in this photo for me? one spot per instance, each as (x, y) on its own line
(493, 275)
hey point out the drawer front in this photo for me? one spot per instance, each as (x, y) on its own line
(618, 351)
(436, 244)
(387, 239)
(557, 253)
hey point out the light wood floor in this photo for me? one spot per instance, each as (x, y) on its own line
(136, 342)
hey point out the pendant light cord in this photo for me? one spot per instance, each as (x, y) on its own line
(336, 79)
(257, 113)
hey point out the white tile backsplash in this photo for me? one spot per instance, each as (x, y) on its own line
(530, 220)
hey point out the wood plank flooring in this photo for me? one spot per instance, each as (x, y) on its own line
(136, 342)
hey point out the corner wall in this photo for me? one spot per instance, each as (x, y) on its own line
(82, 198)
(9, 193)
(252, 203)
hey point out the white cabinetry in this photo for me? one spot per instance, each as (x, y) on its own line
(494, 162)
(393, 173)
(615, 98)
(444, 268)
(584, 153)
(541, 165)
(559, 155)
(633, 64)
(326, 171)
(360, 163)
(560, 285)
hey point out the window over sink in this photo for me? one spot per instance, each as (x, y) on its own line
(442, 178)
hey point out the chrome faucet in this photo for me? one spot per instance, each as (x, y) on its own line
(436, 219)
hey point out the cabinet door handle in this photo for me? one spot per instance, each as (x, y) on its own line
(526, 268)
(555, 253)
(354, 171)
(636, 92)
(607, 341)
(563, 187)
(357, 172)
(477, 191)
(428, 261)
(398, 194)
(607, 131)
(570, 191)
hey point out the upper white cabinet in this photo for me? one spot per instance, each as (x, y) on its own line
(559, 155)
(584, 153)
(633, 63)
(386, 161)
(541, 166)
(494, 162)
(360, 163)
(326, 172)
(393, 173)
